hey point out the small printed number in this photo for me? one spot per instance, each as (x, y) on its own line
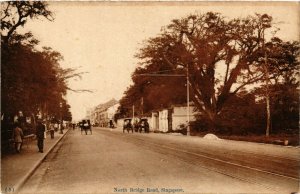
(9, 189)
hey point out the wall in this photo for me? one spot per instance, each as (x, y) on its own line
(179, 116)
(120, 123)
(163, 120)
(154, 124)
(111, 111)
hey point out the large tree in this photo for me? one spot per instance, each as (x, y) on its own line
(221, 56)
(32, 80)
(16, 13)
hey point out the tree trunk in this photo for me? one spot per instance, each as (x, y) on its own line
(268, 115)
(212, 116)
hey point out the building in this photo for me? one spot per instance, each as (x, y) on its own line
(172, 118)
(168, 119)
(163, 120)
(89, 115)
(179, 116)
(103, 113)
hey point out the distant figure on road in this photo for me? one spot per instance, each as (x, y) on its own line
(18, 137)
(61, 127)
(40, 129)
(111, 124)
(55, 126)
(146, 127)
(51, 130)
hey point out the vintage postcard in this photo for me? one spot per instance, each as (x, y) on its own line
(150, 97)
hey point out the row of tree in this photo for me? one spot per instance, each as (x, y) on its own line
(32, 80)
(241, 76)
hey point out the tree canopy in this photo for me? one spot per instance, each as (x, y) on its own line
(32, 80)
(16, 13)
(221, 56)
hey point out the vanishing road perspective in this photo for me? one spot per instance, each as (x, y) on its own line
(109, 161)
(150, 97)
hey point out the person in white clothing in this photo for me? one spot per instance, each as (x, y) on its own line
(18, 137)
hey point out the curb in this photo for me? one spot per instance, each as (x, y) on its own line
(228, 140)
(20, 183)
(265, 144)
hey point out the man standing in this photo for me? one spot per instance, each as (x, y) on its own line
(40, 130)
(51, 130)
(17, 137)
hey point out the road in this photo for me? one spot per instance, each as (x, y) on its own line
(112, 162)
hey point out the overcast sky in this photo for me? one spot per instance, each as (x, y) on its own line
(101, 38)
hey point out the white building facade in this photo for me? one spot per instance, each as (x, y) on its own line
(172, 118)
(103, 113)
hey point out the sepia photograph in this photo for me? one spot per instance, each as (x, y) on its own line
(150, 97)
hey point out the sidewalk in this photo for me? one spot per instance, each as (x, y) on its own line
(16, 168)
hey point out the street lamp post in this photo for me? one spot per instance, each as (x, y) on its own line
(188, 101)
(142, 104)
(61, 119)
(132, 113)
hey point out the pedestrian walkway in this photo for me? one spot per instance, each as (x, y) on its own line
(16, 168)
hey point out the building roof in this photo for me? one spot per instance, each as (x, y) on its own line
(104, 106)
(191, 103)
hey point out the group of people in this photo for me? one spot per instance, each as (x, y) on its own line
(18, 135)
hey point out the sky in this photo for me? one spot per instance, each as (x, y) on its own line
(101, 38)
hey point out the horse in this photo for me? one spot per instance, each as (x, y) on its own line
(85, 126)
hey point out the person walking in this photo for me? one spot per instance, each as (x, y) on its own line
(51, 130)
(40, 130)
(18, 137)
(56, 127)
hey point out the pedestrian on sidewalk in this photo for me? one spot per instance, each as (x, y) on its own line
(61, 127)
(18, 137)
(40, 130)
(56, 127)
(51, 130)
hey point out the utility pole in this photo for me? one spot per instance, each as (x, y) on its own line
(142, 104)
(61, 118)
(132, 114)
(267, 88)
(188, 101)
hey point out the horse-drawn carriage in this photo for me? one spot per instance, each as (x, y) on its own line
(127, 125)
(143, 125)
(85, 125)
